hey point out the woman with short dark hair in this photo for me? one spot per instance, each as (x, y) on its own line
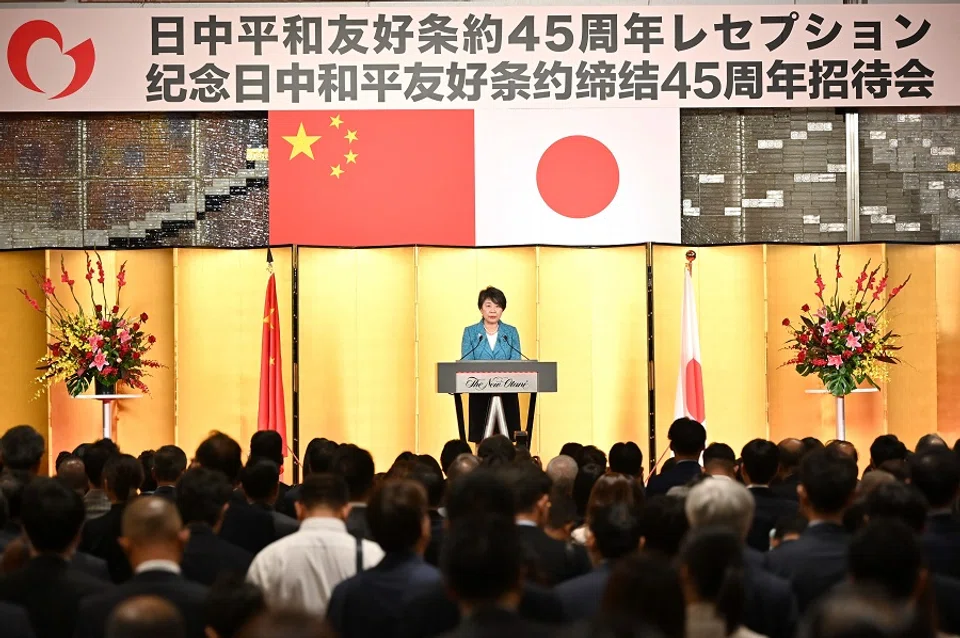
(491, 339)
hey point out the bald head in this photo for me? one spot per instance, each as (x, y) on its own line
(791, 453)
(151, 519)
(152, 531)
(463, 464)
(145, 617)
(562, 470)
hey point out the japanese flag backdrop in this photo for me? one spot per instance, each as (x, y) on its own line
(484, 178)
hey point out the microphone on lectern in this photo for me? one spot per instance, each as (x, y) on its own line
(515, 349)
(479, 341)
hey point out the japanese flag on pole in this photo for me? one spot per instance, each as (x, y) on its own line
(690, 382)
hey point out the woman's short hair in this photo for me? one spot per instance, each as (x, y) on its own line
(493, 294)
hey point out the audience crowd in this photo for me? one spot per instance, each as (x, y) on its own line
(778, 540)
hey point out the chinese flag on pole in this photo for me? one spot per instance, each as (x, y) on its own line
(272, 413)
(690, 382)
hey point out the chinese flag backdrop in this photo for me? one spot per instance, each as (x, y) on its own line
(371, 178)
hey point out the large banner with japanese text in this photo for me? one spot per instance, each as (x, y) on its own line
(309, 56)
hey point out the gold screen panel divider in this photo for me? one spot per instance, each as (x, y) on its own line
(374, 323)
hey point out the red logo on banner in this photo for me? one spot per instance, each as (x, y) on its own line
(30, 33)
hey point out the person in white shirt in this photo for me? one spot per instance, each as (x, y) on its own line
(302, 569)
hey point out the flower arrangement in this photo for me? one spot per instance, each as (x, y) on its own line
(104, 347)
(846, 342)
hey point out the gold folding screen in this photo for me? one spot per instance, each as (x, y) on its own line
(373, 323)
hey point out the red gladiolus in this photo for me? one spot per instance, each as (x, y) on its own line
(143, 317)
(805, 308)
(880, 287)
(30, 300)
(47, 286)
(862, 278)
(786, 322)
(820, 287)
(122, 276)
(151, 339)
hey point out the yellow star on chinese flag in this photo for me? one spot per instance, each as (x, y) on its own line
(272, 361)
(351, 136)
(335, 121)
(352, 157)
(269, 319)
(301, 143)
(336, 171)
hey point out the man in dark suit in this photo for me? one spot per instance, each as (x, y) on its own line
(905, 504)
(790, 452)
(477, 495)
(481, 562)
(15, 622)
(356, 467)
(760, 460)
(769, 605)
(817, 561)
(614, 532)
(202, 499)
(550, 561)
(153, 538)
(267, 444)
(122, 477)
(371, 603)
(49, 588)
(936, 473)
(243, 525)
(261, 485)
(169, 463)
(687, 440)
(432, 481)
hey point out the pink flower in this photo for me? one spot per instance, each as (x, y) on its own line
(834, 360)
(95, 341)
(861, 327)
(99, 360)
(828, 327)
(124, 335)
(871, 321)
(853, 341)
(822, 313)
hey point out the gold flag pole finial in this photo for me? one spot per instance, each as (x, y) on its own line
(691, 256)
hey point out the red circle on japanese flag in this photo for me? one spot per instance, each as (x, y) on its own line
(578, 176)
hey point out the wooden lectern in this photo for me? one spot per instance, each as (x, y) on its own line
(496, 377)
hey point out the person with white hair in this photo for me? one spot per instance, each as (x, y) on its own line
(562, 470)
(770, 607)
